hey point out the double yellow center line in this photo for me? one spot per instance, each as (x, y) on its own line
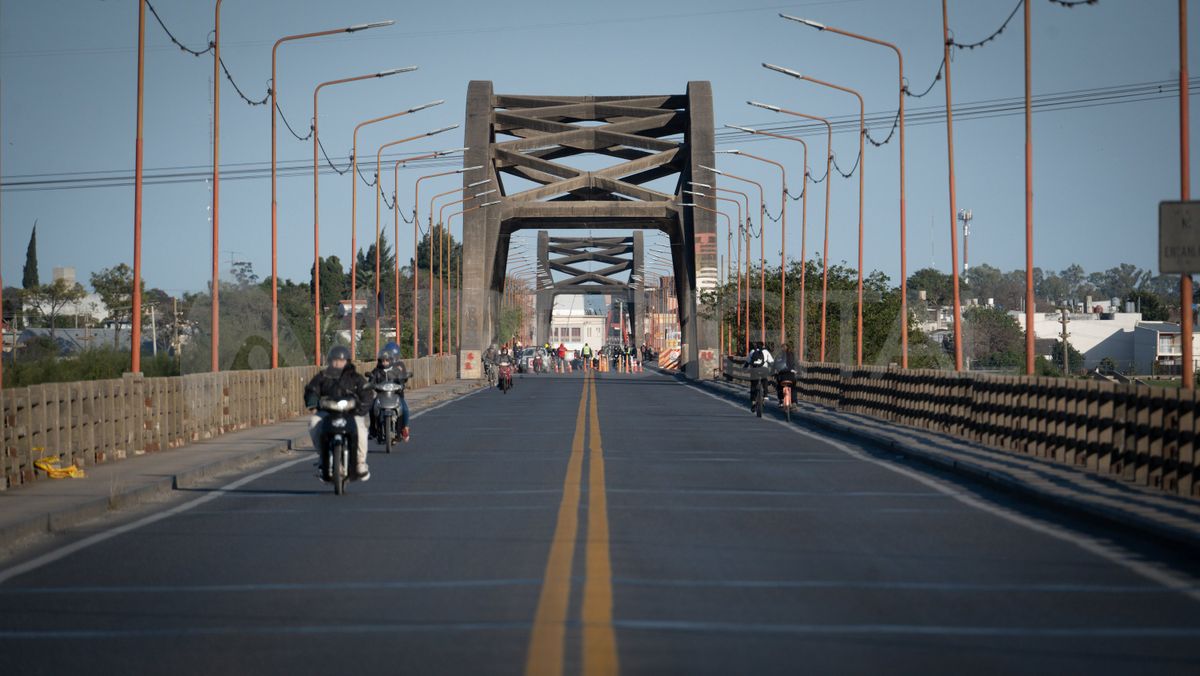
(547, 643)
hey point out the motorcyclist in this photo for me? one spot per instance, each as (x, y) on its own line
(389, 369)
(489, 359)
(586, 353)
(504, 359)
(339, 380)
(785, 368)
(757, 360)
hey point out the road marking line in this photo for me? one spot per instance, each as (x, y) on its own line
(599, 640)
(62, 552)
(1108, 552)
(546, 641)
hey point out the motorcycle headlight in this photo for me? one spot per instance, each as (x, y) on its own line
(339, 422)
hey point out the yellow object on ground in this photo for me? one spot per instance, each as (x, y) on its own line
(50, 467)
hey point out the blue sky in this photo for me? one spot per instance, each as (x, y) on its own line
(67, 85)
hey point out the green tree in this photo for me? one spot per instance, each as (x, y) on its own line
(1153, 308)
(49, 300)
(1075, 358)
(937, 285)
(29, 275)
(115, 287)
(992, 339)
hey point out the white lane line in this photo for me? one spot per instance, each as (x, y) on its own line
(316, 630)
(907, 630)
(274, 587)
(1110, 553)
(775, 585)
(66, 550)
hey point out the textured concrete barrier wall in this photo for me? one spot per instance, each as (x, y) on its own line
(1141, 434)
(86, 423)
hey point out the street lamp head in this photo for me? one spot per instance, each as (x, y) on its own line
(488, 204)
(438, 131)
(485, 192)
(466, 169)
(693, 192)
(806, 22)
(715, 171)
(479, 183)
(766, 106)
(451, 151)
(785, 71)
(729, 152)
(700, 185)
(687, 204)
(395, 71)
(364, 26)
(748, 130)
(423, 106)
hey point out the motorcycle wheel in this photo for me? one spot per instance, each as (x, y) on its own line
(758, 403)
(339, 468)
(388, 432)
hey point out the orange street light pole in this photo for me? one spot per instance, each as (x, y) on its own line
(761, 233)
(1185, 187)
(903, 210)
(216, 188)
(441, 228)
(828, 170)
(862, 166)
(316, 201)
(354, 213)
(396, 235)
(1030, 304)
(782, 249)
(441, 246)
(378, 193)
(416, 225)
(728, 229)
(803, 230)
(740, 229)
(958, 353)
(274, 202)
(135, 334)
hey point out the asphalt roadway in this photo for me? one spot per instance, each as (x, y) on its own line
(600, 525)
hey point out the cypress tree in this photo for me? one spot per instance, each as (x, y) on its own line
(29, 278)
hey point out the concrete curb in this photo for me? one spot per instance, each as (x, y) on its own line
(86, 510)
(1078, 506)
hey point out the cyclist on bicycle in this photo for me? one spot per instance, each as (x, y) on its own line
(758, 361)
(785, 369)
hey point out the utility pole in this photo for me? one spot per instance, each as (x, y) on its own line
(1065, 347)
(153, 333)
(965, 216)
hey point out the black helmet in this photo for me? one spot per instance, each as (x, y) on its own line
(337, 352)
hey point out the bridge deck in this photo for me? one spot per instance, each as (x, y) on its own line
(626, 523)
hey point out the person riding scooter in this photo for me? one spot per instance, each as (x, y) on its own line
(339, 380)
(389, 369)
(504, 365)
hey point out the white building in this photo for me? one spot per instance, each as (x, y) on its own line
(1095, 335)
(573, 323)
(1158, 349)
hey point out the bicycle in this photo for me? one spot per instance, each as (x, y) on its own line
(786, 385)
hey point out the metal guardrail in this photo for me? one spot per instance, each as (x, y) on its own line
(1141, 434)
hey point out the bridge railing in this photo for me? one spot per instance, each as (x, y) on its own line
(1137, 433)
(90, 422)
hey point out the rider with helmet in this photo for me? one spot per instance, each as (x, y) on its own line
(389, 369)
(340, 380)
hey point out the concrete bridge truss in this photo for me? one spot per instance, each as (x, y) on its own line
(617, 255)
(641, 139)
